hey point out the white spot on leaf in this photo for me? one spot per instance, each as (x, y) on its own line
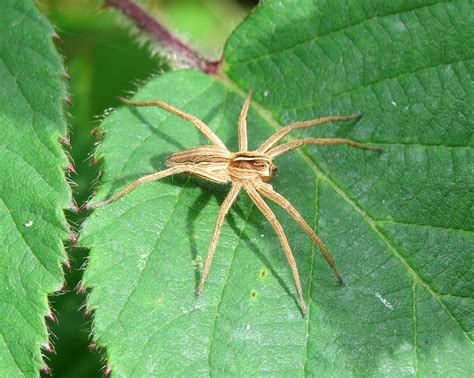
(142, 261)
(384, 301)
(29, 224)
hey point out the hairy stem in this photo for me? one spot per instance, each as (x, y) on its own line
(163, 36)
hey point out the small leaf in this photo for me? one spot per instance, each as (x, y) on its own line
(33, 189)
(399, 224)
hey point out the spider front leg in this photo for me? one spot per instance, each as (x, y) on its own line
(200, 125)
(281, 149)
(154, 177)
(224, 209)
(275, 138)
(268, 213)
(267, 191)
(242, 125)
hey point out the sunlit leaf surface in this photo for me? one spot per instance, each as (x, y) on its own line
(398, 223)
(33, 190)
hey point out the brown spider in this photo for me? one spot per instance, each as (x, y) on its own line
(247, 170)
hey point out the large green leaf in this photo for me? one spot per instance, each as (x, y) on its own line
(399, 224)
(33, 189)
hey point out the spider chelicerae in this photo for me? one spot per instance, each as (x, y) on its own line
(250, 171)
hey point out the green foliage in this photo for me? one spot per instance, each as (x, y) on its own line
(90, 42)
(399, 224)
(33, 190)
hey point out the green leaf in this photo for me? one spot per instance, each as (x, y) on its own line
(399, 224)
(33, 189)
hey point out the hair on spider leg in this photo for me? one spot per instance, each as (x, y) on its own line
(248, 171)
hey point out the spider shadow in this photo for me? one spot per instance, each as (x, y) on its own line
(219, 192)
(212, 113)
(156, 130)
(210, 190)
(265, 261)
(158, 161)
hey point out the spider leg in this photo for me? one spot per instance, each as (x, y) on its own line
(225, 207)
(267, 191)
(275, 138)
(268, 213)
(243, 143)
(150, 178)
(200, 125)
(281, 149)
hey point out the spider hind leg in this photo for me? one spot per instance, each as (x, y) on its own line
(268, 192)
(224, 209)
(268, 213)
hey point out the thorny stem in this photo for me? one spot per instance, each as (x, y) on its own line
(151, 26)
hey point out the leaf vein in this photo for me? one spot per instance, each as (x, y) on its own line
(377, 82)
(29, 248)
(367, 218)
(221, 294)
(317, 198)
(332, 32)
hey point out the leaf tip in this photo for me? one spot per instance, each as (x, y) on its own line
(84, 207)
(48, 348)
(107, 371)
(67, 140)
(67, 264)
(57, 37)
(52, 318)
(70, 167)
(73, 206)
(80, 290)
(46, 370)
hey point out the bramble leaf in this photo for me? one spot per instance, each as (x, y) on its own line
(398, 223)
(33, 189)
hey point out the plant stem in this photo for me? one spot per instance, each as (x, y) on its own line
(154, 28)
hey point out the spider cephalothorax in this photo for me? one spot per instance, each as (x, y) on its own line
(250, 166)
(250, 171)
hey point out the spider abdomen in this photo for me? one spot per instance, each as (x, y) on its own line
(204, 154)
(207, 162)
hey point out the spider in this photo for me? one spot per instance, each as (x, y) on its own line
(246, 170)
